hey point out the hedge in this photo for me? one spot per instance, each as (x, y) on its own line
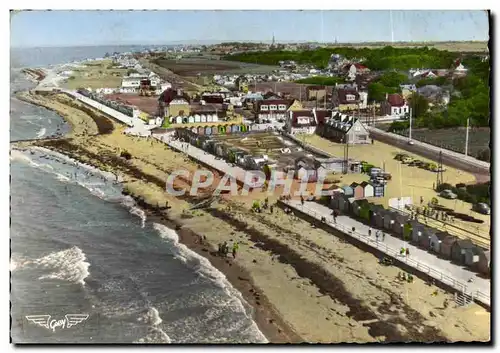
(472, 193)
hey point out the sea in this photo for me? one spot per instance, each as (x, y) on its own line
(87, 266)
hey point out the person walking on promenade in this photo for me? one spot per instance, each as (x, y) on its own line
(235, 249)
(302, 200)
(369, 232)
(383, 236)
(377, 233)
(407, 252)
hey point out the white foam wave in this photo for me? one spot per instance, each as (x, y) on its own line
(41, 132)
(66, 265)
(204, 268)
(155, 333)
(129, 203)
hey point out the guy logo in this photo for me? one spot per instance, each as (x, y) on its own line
(68, 321)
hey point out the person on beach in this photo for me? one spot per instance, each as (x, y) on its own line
(235, 249)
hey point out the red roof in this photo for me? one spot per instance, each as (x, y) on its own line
(395, 100)
(360, 67)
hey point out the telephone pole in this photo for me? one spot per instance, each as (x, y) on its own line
(467, 138)
(411, 113)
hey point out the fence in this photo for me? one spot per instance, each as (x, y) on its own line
(437, 143)
(448, 227)
(437, 275)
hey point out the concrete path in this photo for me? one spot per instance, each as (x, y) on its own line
(209, 159)
(440, 269)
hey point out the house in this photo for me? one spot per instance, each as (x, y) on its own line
(394, 105)
(483, 265)
(352, 70)
(173, 103)
(459, 250)
(317, 93)
(436, 240)
(242, 84)
(434, 94)
(305, 121)
(272, 109)
(345, 99)
(460, 69)
(345, 129)
(367, 189)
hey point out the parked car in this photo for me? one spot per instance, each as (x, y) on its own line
(448, 194)
(482, 208)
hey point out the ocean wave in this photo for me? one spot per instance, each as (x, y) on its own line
(204, 268)
(155, 334)
(66, 265)
(41, 133)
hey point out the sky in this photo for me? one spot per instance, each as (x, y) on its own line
(81, 28)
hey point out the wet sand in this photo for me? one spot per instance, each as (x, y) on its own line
(304, 283)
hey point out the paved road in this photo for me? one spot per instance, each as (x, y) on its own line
(451, 158)
(425, 259)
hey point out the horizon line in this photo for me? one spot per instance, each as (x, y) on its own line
(215, 42)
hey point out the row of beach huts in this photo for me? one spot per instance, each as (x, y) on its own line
(441, 243)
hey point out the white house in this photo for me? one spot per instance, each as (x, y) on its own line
(394, 105)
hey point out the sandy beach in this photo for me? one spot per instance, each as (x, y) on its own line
(305, 284)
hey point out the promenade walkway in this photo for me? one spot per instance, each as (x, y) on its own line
(440, 269)
(209, 159)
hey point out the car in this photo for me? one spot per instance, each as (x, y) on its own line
(448, 194)
(407, 160)
(410, 142)
(482, 208)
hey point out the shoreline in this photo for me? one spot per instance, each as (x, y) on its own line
(269, 322)
(316, 275)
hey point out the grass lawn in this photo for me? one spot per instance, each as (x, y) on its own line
(406, 181)
(96, 75)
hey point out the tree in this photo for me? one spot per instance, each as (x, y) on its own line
(376, 92)
(419, 105)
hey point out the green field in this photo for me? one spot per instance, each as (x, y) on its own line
(96, 74)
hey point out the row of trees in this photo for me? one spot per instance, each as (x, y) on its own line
(376, 59)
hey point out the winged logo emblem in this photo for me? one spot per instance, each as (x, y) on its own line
(68, 321)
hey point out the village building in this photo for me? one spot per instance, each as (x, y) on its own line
(394, 105)
(317, 93)
(345, 99)
(345, 129)
(275, 109)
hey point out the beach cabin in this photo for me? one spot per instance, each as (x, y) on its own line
(425, 238)
(376, 213)
(359, 191)
(334, 200)
(356, 207)
(347, 190)
(178, 120)
(345, 204)
(367, 189)
(378, 190)
(197, 118)
(446, 246)
(399, 222)
(483, 265)
(436, 240)
(379, 218)
(203, 118)
(459, 250)
(209, 118)
(389, 217)
(472, 256)
(416, 227)
(208, 130)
